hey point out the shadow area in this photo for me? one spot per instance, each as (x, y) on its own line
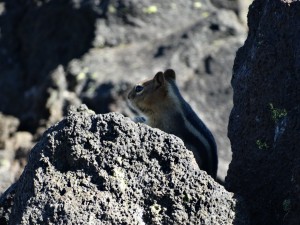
(242, 216)
(37, 37)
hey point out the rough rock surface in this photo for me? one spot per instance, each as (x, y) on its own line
(105, 169)
(14, 147)
(60, 53)
(264, 126)
(239, 6)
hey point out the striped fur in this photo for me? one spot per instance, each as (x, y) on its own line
(165, 108)
(196, 135)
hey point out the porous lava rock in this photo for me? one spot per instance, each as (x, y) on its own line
(264, 127)
(105, 169)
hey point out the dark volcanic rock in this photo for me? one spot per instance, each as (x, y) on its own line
(105, 169)
(36, 38)
(14, 147)
(8, 126)
(264, 126)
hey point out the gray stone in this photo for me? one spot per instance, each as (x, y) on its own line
(106, 169)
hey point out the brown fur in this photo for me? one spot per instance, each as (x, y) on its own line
(154, 98)
(160, 101)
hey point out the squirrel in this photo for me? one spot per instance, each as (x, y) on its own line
(160, 101)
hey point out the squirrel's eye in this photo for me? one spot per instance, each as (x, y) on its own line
(139, 88)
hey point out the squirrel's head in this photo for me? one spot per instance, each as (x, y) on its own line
(151, 95)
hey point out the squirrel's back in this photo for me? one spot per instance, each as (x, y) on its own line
(160, 101)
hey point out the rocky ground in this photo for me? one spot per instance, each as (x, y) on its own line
(106, 169)
(60, 53)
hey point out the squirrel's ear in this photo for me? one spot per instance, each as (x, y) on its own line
(159, 78)
(170, 74)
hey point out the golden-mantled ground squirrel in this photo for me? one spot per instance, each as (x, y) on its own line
(160, 101)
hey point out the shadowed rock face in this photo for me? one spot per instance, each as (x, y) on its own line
(264, 126)
(105, 169)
